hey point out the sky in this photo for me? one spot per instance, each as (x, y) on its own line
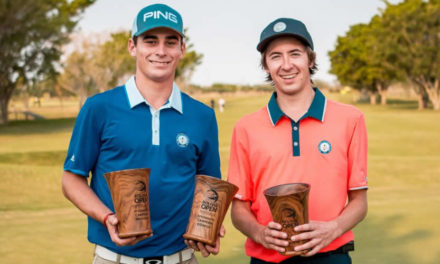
(227, 32)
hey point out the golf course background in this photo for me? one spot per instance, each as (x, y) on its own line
(38, 225)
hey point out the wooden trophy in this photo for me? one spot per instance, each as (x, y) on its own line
(289, 207)
(212, 198)
(129, 190)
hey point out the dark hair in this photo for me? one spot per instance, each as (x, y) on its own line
(135, 38)
(310, 54)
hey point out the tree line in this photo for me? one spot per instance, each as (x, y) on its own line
(33, 36)
(401, 44)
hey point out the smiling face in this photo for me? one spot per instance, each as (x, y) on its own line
(158, 52)
(288, 63)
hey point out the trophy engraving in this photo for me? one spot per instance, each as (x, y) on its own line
(212, 198)
(289, 207)
(129, 191)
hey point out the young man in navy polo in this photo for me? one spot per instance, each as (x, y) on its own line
(146, 123)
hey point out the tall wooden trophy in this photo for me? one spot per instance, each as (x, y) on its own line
(129, 191)
(289, 207)
(212, 198)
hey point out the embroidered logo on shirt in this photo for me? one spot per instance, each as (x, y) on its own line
(182, 140)
(324, 147)
(72, 159)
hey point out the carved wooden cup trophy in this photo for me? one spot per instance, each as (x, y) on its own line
(129, 190)
(212, 198)
(289, 207)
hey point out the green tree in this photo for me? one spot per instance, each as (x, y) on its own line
(77, 76)
(413, 28)
(98, 67)
(112, 61)
(357, 60)
(95, 67)
(348, 60)
(187, 64)
(31, 36)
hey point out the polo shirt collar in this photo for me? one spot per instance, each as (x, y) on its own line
(135, 97)
(316, 109)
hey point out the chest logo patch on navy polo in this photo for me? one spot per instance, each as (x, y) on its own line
(182, 140)
(324, 147)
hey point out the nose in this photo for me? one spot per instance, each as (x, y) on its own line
(287, 65)
(160, 50)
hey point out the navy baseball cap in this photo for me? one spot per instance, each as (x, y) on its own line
(284, 27)
(156, 16)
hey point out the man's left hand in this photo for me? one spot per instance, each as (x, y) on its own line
(206, 249)
(317, 234)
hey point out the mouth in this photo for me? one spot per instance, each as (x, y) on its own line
(288, 77)
(159, 62)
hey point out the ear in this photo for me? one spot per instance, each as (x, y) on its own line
(131, 47)
(312, 60)
(183, 48)
(263, 62)
(266, 70)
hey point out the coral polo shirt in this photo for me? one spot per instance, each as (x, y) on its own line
(326, 148)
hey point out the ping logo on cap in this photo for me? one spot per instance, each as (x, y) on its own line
(280, 26)
(159, 14)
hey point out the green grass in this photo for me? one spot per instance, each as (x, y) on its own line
(38, 225)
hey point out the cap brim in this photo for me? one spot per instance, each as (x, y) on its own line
(158, 26)
(261, 47)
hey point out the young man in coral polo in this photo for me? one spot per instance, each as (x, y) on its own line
(299, 136)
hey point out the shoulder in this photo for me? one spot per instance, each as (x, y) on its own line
(255, 119)
(107, 97)
(194, 106)
(341, 110)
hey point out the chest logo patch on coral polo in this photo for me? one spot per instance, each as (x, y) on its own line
(324, 147)
(182, 140)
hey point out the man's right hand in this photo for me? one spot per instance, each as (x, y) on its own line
(112, 226)
(271, 237)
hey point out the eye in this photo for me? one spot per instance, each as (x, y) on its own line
(172, 42)
(150, 41)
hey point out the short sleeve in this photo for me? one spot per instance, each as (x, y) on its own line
(209, 160)
(85, 141)
(357, 157)
(239, 166)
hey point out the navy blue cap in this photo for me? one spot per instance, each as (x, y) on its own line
(284, 27)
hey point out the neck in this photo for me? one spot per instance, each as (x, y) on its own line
(296, 105)
(156, 93)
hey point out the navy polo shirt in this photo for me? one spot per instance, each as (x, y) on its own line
(118, 130)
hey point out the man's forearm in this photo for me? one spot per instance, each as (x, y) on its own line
(76, 189)
(353, 213)
(245, 221)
